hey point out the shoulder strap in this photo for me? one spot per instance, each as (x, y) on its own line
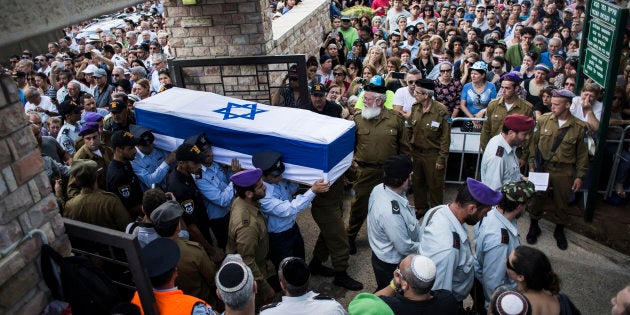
(431, 216)
(556, 143)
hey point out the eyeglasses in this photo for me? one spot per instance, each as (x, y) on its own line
(445, 70)
(115, 75)
(339, 73)
(509, 265)
(496, 67)
(481, 10)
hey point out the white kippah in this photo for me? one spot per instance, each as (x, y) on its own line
(423, 268)
(511, 303)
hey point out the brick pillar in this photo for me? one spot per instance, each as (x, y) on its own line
(26, 203)
(218, 28)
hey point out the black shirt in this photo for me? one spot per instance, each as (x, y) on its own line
(443, 302)
(330, 109)
(187, 194)
(122, 181)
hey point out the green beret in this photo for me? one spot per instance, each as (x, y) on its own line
(83, 168)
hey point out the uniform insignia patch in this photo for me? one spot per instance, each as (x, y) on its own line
(188, 205)
(505, 238)
(395, 207)
(124, 191)
(245, 221)
(66, 131)
(323, 297)
(456, 241)
(500, 151)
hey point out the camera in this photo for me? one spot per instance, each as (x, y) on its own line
(362, 80)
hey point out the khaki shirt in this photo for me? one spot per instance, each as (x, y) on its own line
(247, 236)
(98, 207)
(572, 150)
(379, 138)
(101, 161)
(430, 130)
(196, 270)
(496, 112)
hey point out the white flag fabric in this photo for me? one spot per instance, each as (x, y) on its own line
(313, 146)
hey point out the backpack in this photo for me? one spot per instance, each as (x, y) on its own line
(79, 282)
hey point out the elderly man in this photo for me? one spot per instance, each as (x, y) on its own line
(74, 92)
(554, 45)
(158, 61)
(39, 103)
(393, 230)
(380, 133)
(499, 164)
(444, 237)
(559, 139)
(410, 292)
(236, 286)
(319, 104)
(404, 97)
(496, 236)
(430, 141)
(247, 232)
(103, 90)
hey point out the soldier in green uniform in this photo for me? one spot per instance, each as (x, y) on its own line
(247, 232)
(561, 141)
(509, 103)
(93, 150)
(195, 269)
(93, 205)
(430, 142)
(380, 133)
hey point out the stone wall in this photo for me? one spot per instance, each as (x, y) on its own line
(26, 203)
(300, 31)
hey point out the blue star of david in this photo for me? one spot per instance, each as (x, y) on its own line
(227, 111)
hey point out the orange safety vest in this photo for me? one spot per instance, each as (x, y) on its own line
(170, 302)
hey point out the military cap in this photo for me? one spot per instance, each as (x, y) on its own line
(189, 152)
(564, 93)
(518, 122)
(520, 191)
(247, 178)
(167, 214)
(160, 256)
(318, 89)
(123, 138)
(84, 169)
(117, 105)
(200, 140)
(69, 106)
(88, 128)
(143, 135)
(295, 271)
(269, 162)
(512, 77)
(426, 84)
(398, 166)
(92, 117)
(482, 193)
(411, 29)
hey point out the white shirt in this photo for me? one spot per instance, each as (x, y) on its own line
(45, 103)
(309, 303)
(576, 109)
(499, 163)
(404, 98)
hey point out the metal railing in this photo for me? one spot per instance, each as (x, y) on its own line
(617, 158)
(115, 239)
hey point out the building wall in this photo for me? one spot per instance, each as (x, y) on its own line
(26, 203)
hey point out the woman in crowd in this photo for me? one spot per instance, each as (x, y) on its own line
(376, 58)
(477, 94)
(447, 90)
(332, 48)
(341, 73)
(311, 70)
(456, 45)
(405, 58)
(393, 65)
(565, 35)
(437, 47)
(357, 84)
(358, 51)
(425, 60)
(573, 48)
(544, 106)
(526, 69)
(165, 80)
(377, 27)
(536, 84)
(354, 68)
(497, 66)
(462, 67)
(364, 20)
(142, 88)
(401, 23)
(44, 87)
(535, 279)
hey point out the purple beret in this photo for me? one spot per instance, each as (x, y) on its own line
(88, 128)
(518, 122)
(482, 193)
(512, 77)
(92, 117)
(247, 178)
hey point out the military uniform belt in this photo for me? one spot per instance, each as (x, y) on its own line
(369, 165)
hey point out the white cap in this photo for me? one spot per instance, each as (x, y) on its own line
(511, 303)
(423, 268)
(89, 69)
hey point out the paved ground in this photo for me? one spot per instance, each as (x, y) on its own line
(591, 273)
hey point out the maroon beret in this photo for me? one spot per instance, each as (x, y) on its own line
(518, 122)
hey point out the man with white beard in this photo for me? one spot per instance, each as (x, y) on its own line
(380, 133)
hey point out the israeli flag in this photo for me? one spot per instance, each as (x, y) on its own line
(313, 146)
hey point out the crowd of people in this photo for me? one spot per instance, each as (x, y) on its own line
(402, 74)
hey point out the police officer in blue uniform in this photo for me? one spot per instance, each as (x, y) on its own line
(121, 180)
(151, 164)
(70, 112)
(280, 209)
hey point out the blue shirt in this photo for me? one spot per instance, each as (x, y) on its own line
(150, 168)
(278, 208)
(217, 190)
(476, 102)
(492, 250)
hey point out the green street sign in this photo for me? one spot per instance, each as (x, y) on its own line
(605, 11)
(600, 37)
(596, 66)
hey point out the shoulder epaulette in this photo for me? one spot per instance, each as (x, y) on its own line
(505, 237)
(268, 306)
(323, 297)
(456, 240)
(395, 207)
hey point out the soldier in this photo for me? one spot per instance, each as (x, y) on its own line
(496, 236)
(121, 118)
(499, 163)
(151, 164)
(444, 238)
(93, 150)
(182, 184)
(93, 205)
(70, 112)
(247, 233)
(560, 140)
(430, 142)
(195, 270)
(87, 118)
(280, 209)
(380, 133)
(509, 103)
(121, 180)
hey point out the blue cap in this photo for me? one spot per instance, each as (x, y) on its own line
(88, 128)
(247, 178)
(92, 117)
(377, 85)
(482, 193)
(469, 17)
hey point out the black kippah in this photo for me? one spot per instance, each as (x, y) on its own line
(232, 277)
(296, 272)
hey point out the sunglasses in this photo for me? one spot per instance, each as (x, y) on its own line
(445, 70)
(338, 73)
(509, 265)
